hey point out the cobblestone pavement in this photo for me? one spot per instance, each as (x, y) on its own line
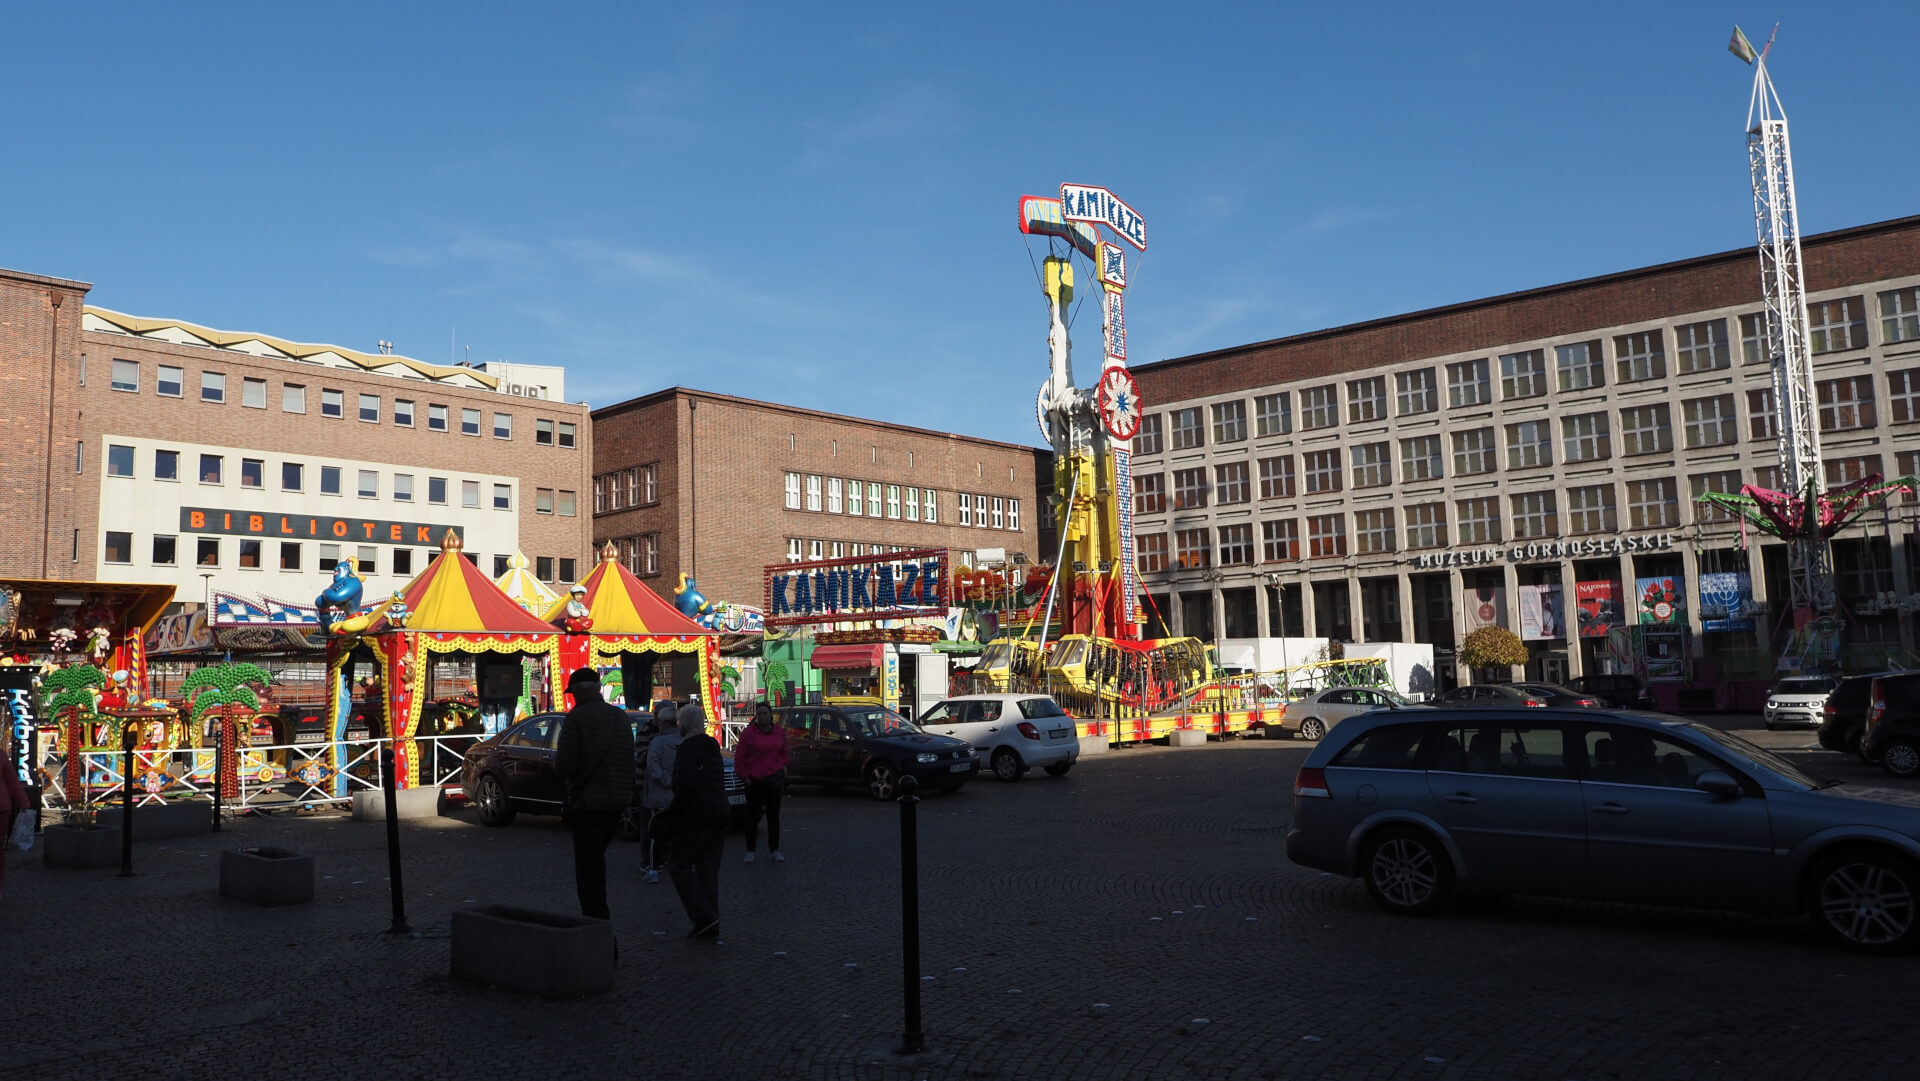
(1136, 919)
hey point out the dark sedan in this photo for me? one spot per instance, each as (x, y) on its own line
(512, 771)
(1618, 690)
(873, 747)
(1487, 696)
(1556, 695)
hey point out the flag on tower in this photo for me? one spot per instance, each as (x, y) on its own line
(1740, 46)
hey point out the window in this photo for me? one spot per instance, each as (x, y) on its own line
(253, 393)
(168, 381)
(402, 413)
(436, 418)
(126, 375)
(1479, 520)
(1908, 462)
(1323, 471)
(470, 494)
(1763, 420)
(1416, 391)
(793, 491)
(1900, 315)
(165, 550)
(1580, 366)
(813, 492)
(1236, 544)
(835, 503)
(650, 483)
(600, 493)
(1836, 325)
(1467, 383)
(1230, 483)
(1427, 525)
(403, 487)
(873, 503)
(1191, 548)
(1189, 488)
(503, 498)
(437, 490)
(329, 480)
(855, 502)
(1273, 414)
(1150, 493)
(998, 521)
(1585, 437)
(1187, 433)
(1280, 540)
(632, 477)
(211, 468)
(1849, 470)
(1533, 516)
(1646, 429)
(1371, 465)
(1590, 509)
(543, 501)
(1523, 375)
(566, 503)
(543, 437)
(1276, 477)
(1366, 399)
(816, 550)
(1326, 535)
(567, 442)
(893, 503)
(166, 465)
(1845, 404)
(329, 557)
(1320, 407)
(1529, 443)
(1903, 395)
(1150, 552)
(1640, 356)
(1229, 422)
(249, 554)
(253, 473)
(1420, 458)
(119, 460)
(1753, 339)
(1653, 504)
(1473, 452)
(1702, 347)
(503, 427)
(213, 387)
(369, 487)
(293, 398)
(966, 508)
(119, 547)
(930, 505)
(206, 552)
(1148, 439)
(1373, 531)
(1709, 422)
(1727, 482)
(469, 422)
(333, 403)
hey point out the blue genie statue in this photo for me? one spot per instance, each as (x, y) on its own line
(342, 595)
(692, 603)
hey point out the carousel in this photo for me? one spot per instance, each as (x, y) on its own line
(614, 622)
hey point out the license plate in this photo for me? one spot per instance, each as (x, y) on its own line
(1056, 733)
(737, 800)
(960, 767)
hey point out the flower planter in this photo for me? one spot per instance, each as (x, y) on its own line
(73, 846)
(160, 820)
(536, 953)
(266, 876)
(370, 804)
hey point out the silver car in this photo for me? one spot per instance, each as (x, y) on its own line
(1311, 717)
(1603, 804)
(1799, 701)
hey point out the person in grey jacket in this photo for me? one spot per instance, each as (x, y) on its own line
(699, 819)
(656, 790)
(594, 759)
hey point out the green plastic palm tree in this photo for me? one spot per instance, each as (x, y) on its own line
(225, 691)
(69, 696)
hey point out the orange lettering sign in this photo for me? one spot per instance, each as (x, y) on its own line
(284, 527)
(339, 528)
(395, 533)
(255, 523)
(368, 526)
(197, 519)
(420, 535)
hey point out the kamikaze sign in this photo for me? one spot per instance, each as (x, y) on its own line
(861, 589)
(1091, 203)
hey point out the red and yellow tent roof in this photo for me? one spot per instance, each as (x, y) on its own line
(453, 596)
(619, 603)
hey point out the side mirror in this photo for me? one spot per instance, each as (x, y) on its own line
(1718, 783)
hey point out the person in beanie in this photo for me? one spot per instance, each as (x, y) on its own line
(760, 758)
(595, 761)
(661, 739)
(699, 817)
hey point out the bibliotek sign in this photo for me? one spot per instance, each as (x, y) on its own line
(240, 523)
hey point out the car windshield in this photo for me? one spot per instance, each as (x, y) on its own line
(1395, 697)
(1749, 755)
(1031, 708)
(879, 722)
(1801, 686)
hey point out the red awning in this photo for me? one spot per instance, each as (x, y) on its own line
(843, 658)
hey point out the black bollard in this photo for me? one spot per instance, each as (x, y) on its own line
(393, 845)
(128, 738)
(219, 768)
(915, 1041)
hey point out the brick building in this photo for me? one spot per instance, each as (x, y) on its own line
(154, 450)
(717, 487)
(1409, 478)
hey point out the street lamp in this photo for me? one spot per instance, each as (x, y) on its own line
(1273, 580)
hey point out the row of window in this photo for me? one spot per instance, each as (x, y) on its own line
(1837, 326)
(331, 479)
(1652, 503)
(637, 486)
(832, 495)
(251, 554)
(804, 549)
(170, 382)
(640, 554)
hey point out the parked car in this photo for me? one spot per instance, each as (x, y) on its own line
(1891, 735)
(1315, 715)
(1013, 732)
(1607, 805)
(1844, 717)
(1553, 694)
(1488, 695)
(1797, 701)
(1618, 690)
(871, 746)
(512, 771)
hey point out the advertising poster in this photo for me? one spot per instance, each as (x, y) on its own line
(16, 694)
(1599, 607)
(1724, 601)
(1541, 613)
(1486, 607)
(1666, 656)
(1662, 600)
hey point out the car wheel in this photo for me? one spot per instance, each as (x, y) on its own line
(1406, 871)
(1865, 898)
(883, 781)
(491, 798)
(1007, 765)
(1059, 769)
(1312, 728)
(1900, 758)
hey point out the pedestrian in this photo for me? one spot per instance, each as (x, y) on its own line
(656, 784)
(760, 758)
(595, 761)
(698, 817)
(13, 804)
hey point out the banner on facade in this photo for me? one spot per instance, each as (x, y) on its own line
(21, 716)
(1599, 607)
(1726, 601)
(1662, 600)
(1666, 656)
(1486, 607)
(1541, 612)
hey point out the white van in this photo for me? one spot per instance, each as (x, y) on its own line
(1013, 732)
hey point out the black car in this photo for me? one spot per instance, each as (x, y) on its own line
(1556, 695)
(1488, 695)
(871, 746)
(1892, 733)
(1618, 690)
(512, 771)
(1845, 714)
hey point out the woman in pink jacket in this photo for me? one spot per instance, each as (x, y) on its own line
(760, 758)
(13, 803)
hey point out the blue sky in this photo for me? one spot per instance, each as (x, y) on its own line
(815, 203)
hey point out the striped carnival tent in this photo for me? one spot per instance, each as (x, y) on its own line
(620, 603)
(526, 590)
(454, 596)
(632, 627)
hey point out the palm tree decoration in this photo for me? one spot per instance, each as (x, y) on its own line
(223, 690)
(729, 680)
(70, 699)
(775, 677)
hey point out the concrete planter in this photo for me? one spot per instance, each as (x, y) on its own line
(266, 876)
(370, 804)
(1094, 745)
(71, 846)
(536, 953)
(160, 820)
(1186, 737)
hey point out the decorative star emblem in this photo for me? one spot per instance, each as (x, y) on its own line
(1118, 399)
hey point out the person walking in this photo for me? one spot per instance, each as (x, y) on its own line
(698, 815)
(595, 760)
(13, 804)
(760, 758)
(656, 785)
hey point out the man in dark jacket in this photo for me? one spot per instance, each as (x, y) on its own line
(699, 820)
(595, 760)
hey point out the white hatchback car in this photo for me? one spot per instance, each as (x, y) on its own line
(1798, 701)
(1013, 732)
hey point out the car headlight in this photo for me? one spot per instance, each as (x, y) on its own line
(926, 757)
